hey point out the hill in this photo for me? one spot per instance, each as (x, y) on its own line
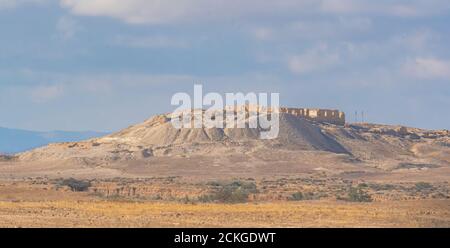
(154, 147)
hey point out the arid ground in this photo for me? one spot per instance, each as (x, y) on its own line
(313, 174)
(66, 213)
(168, 202)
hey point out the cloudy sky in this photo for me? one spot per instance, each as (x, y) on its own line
(105, 64)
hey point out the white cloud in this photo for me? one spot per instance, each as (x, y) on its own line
(169, 11)
(415, 8)
(45, 93)
(355, 23)
(107, 82)
(67, 27)
(427, 68)
(316, 59)
(417, 40)
(262, 33)
(139, 11)
(405, 10)
(154, 41)
(323, 29)
(400, 8)
(6, 4)
(345, 6)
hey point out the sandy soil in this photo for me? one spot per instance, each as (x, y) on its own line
(426, 213)
(40, 203)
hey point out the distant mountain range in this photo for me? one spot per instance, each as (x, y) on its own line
(16, 140)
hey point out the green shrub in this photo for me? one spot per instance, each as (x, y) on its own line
(297, 196)
(75, 185)
(186, 200)
(363, 185)
(234, 192)
(232, 195)
(379, 187)
(423, 186)
(358, 195)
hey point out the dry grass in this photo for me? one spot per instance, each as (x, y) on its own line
(421, 213)
(42, 203)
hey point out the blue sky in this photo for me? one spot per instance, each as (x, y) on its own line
(106, 64)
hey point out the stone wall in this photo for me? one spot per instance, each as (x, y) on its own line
(331, 116)
(320, 115)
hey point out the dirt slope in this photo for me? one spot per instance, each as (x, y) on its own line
(155, 147)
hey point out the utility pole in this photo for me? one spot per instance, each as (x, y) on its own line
(362, 116)
(356, 116)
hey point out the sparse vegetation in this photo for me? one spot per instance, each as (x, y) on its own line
(380, 187)
(363, 185)
(176, 203)
(294, 214)
(75, 185)
(423, 186)
(297, 196)
(186, 200)
(234, 192)
(416, 166)
(300, 196)
(356, 194)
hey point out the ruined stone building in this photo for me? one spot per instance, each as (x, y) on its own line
(320, 115)
(331, 116)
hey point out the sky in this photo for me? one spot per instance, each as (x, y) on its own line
(106, 64)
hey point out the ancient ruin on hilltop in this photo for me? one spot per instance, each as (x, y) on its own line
(320, 115)
(331, 116)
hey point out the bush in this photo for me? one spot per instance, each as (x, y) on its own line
(75, 185)
(234, 192)
(379, 187)
(423, 186)
(186, 200)
(358, 195)
(297, 196)
(232, 195)
(363, 185)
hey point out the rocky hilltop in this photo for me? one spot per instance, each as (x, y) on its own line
(155, 146)
(158, 137)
